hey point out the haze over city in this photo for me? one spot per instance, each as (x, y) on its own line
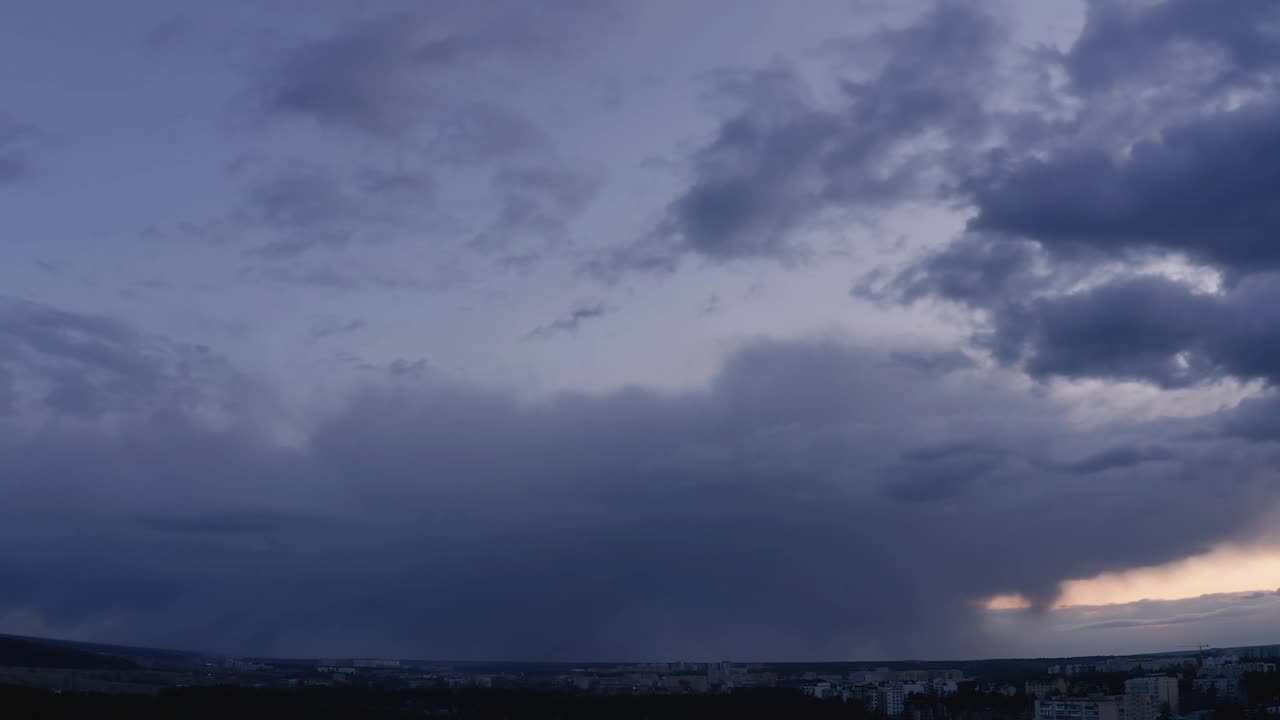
(648, 331)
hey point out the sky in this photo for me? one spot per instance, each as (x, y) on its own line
(591, 329)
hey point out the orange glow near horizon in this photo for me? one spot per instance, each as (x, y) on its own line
(1223, 570)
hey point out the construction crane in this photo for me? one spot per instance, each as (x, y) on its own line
(1200, 648)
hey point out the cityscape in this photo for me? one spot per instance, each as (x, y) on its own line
(1207, 684)
(640, 359)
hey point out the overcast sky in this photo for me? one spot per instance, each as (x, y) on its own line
(579, 329)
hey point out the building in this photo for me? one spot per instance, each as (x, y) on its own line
(685, 683)
(947, 687)
(882, 698)
(820, 690)
(1259, 652)
(1041, 689)
(1150, 697)
(1240, 668)
(892, 699)
(1117, 665)
(719, 673)
(1223, 689)
(1095, 708)
(895, 700)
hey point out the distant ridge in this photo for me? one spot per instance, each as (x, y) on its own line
(21, 652)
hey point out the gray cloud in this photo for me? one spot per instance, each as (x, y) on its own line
(745, 518)
(17, 140)
(1256, 419)
(387, 75)
(1203, 189)
(536, 203)
(291, 208)
(785, 161)
(973, 269)
(85, 366)
(713, 522)
(934, 362)
(352, 276)
(1143, 327)
(1126, 42)
(1172, 620)
(1065, 216)
(1146, 328)
(570, 322)
(1112, 459)
(1225, 619)
(480, 132)
(230, 521)
(331, 326)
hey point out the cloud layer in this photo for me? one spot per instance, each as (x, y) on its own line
(785, 510)
(270, 387)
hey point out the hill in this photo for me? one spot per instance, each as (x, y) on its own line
(18, 652)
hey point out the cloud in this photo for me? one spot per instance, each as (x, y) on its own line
(1143, 327)
(290, 208)
(1201, 188)
(710, 522)
(1123, 43)
(482, 132)
(232, 522)
(387, 76)
(17, 141)
(569, 323)
(1075, 224)
(1173, 620)
(536, 203)
(351, 275)
(331, 326)
(1224, 619)
(934, 362)
(83, 366)
(786, 161)
(1112, 459)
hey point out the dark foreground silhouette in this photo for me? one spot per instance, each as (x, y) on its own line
(18, 703)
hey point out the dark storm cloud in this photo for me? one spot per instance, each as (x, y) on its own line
(785, 161)
(744, 520)
(1112, 459)
(1066, 217)
(973, 269)
(1124, 42)
(569, 323)
(1140, 327)
(1205, 189)
(231, 521)
(1146, 328)
(932, 474)
(385, 76)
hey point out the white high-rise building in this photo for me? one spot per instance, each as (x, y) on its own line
(1146, 698)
